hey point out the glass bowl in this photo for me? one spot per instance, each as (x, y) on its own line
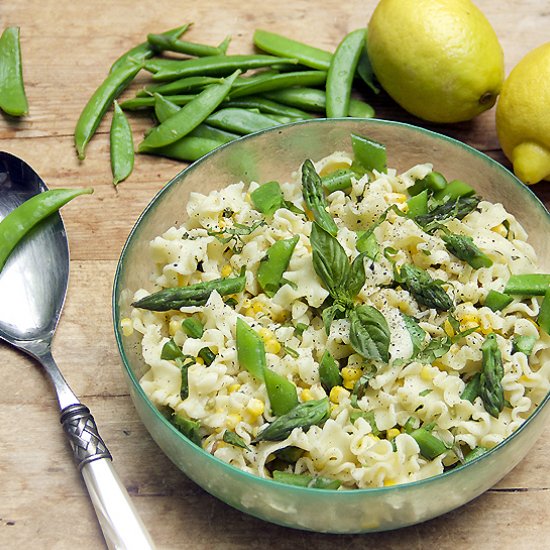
(272, 155)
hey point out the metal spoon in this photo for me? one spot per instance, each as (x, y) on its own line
(33, 285)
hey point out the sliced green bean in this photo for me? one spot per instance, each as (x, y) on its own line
(13, 99)
(286, 47)
(121, 146)
(189, 117)
(250, 350)
(216, 65)
(186, 84)
(140, 53)
(528, 284)
(240, 121)
(161, 42)
(544, 314)
(282, 393)
(274, 264)
(342, 72)
(497, 300)
(268, 83)
(267, 106)
(100, 101)
(21, 220)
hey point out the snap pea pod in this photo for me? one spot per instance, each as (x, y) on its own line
(144, 51)
(267, 106)
(342, 72)
(490, 381)
(523, 344)
(338, 180)
(454, 190)
(274, 264)
(101, 100)
(529, 284)
(121, 146)
(267, 83)
(250, 349)
(137, 103)
(23, 218)
(369, 154)
(189, 117)
(240, 121)
(215, 65)
(314, 197)
(282, 393)
(187, 149)
(366, 72)
(434, 181)
(286, 47)
(304, 415)
(430, 446)
(267, 198)
(187, 84)
(304, 480)
(418, 205)
(161, 42)
(315, 101)
(544, 314)
(13, 99)
(497, 300)
(192, 295)
(164, 108)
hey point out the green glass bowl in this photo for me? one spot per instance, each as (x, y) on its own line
(272, 155)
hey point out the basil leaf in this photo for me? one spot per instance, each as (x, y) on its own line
(189, 428)
(235, 439)
(356, 277)
(369, 333)
(436, 348)
(267, 198)
(314, 197)
(335, 311)
(367, 244)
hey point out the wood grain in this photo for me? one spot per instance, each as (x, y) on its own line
(68, 46)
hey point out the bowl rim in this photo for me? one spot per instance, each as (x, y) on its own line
(246, 476)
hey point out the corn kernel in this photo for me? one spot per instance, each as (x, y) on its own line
(392, 433)
(174, 326)
(266, 334)
(221, 223)
(249, 312)
(338, 394)
(127, 326)
(233, 420)
(258, 307)
(500, 229)
(306, 395)
(426, 373)
(350, 375)
(226, 270)
(373, 437)
(233, 388)
(199, 361)
(272, 346)
(182, 281)
(255, 407)
(388, 482)
(448, 328)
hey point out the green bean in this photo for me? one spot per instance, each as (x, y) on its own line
(418, 205)
(544, 314)
(189, 117)
(315, 101)
(285, 47)
(274, 264)
(430, 446)
(314, 197)
(492, 371)
(472, 388)
(240, 121)
(531, 284)
(187, 149)
(268, 83)
(497, 300)
(165, 43)
(100, 101)
(454, 190)
(282, 393)
(329, 371)
(216, 65)
(267, 198)
(368, 153)
(23, 218)
(250, 350)
(192, 295)
(304, 480)
(187, 84)
(13, 99)
(137, 103)
(341, 73)
(121, 146)
(304, 415)
(267, 106)
(144, 51)
(338, 180)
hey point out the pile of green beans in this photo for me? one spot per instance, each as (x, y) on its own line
(207, 97)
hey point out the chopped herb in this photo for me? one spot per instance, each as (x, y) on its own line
(235, 439)
(425, 392)
(235, 234)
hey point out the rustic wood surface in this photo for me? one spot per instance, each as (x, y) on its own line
(68, 47)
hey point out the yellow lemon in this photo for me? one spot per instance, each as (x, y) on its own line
(523, 116)
(439, 59)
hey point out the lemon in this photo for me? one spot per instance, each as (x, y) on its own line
(439, 59)
(523, 116)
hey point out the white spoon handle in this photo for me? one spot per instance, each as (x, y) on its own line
(120, 523)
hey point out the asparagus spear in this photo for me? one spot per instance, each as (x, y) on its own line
(425, 290)
(490, 381)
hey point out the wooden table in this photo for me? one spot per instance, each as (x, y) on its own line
(68, 46)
